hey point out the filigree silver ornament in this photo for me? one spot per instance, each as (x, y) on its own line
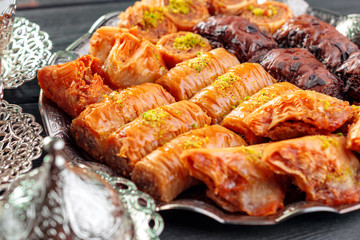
(20, 142)
(29, 51)
(61, 200)
(349, 26)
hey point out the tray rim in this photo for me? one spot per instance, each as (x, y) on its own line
(209, 210)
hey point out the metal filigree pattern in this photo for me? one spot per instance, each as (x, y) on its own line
(28, 52)
(350, 27)
(20, 142)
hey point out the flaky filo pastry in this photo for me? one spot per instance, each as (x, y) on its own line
(237, 179)
(92, 127)
(150, 21)
(321, 166)
(188, 77)
(132, 61)
(298, 114)
(228, 7)
(230, 89)
(74, 85)
(163, 176)
(152, 129)
(235, 119)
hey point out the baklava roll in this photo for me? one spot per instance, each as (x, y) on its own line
(299, 114)
(322, 39)
(236, 34)
(230, 89)
(235, 120)
(92, 127)
(301, 68)
(349, 72)
(269, 16)
(237, 179)
(189, 77)
(151, 21)
(102, 41)
(185, 14)
(152, 129)
(74, 85)
(163, 176)
(228, 7)
(133, 61)
(353, 131)
(321, 166)
(178, 47)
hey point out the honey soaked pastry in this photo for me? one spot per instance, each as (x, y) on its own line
(104, 38)
(349, 72)
(152, 129)
(300, 67)
(92, 127)
(151, 21)
(185, 14)
(133, 61)
(237, 179)
(163, 176)
(74, 85)
(353, 133)
(178, 47)
(189, 77)
(228, 7)
(269, 16)
(321, 166)
(230, 89)
(237, 35)
(235, 120)
(298, 114)
(322, 39)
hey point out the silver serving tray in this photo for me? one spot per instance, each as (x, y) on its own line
(57, 124)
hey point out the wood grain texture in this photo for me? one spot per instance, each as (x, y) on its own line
(66, 24)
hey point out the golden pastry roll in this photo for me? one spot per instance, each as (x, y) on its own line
(74, 85)
(297, 114)
(151, 21)
(235, 119)
(92, 127)
(237, 179)
(228, 7)
(353, 132)
(133, 61)
(102, 41)
(163, 176)
(230, 89)
(189, 77)
(269, 16)
(152, 129)
(185, 14)
(178, 47)
(321, 166)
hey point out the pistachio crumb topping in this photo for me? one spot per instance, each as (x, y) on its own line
(155, 117)
(152, 17)
(268, 11)
(188, 41)
(195, 142)
(179, 6)
(225, 81)
(252, 155)
(199, 63)
(327, 141)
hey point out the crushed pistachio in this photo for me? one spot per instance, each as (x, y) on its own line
(155, 117)
(188, 41)
(199, 63)
(251, 154)
(152, 17)
(269, 11)
(246, 98)
(179, 6)
(225, 81)
(251, 7)
(340, 134)
(193, 125)
(326, 105)
(195, 142)
(327, 141)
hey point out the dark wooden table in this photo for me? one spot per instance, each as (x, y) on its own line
(66, 20)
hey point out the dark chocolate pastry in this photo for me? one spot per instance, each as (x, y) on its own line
(322, 39)
(349, 72)
(237, 35)
(299, 67)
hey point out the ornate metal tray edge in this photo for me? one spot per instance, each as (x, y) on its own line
(57, 124)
